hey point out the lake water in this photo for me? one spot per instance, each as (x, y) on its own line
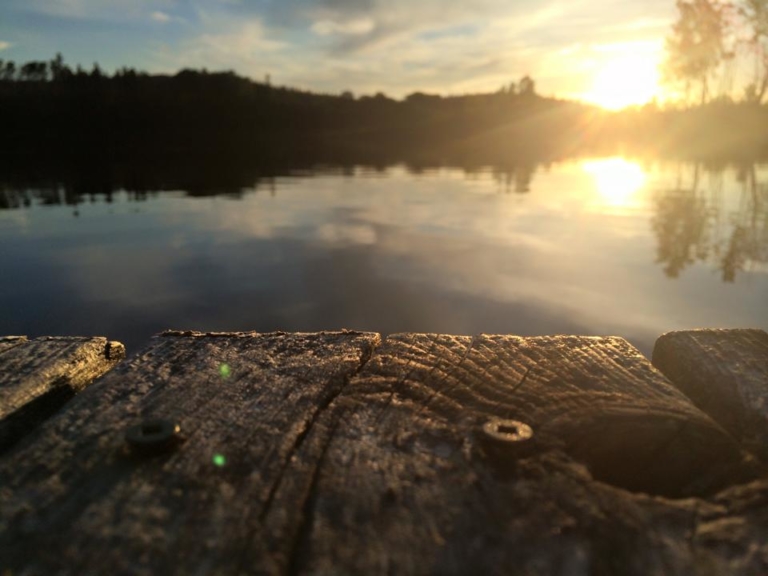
(605, 246)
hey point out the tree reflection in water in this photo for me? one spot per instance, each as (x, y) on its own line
(518, 178)
(697, 222)
(711, 215)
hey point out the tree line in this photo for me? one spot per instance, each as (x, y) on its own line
(710, 46)
(50, 109)
(45, 101)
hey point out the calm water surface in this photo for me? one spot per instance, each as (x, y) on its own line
(605, 247)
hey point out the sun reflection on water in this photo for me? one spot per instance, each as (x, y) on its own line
(616, 180)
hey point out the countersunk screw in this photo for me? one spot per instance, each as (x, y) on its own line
(153, 436)
(507, 430)
(505, 439)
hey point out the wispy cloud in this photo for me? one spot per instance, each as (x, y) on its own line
(161, 17)
(396, 46)
(110, 10)
(222, 42)
(247, 41)
(350, 27)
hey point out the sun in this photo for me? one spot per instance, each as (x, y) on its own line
(625, 80)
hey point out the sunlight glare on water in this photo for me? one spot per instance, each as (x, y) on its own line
(604, 246)
(617, 180)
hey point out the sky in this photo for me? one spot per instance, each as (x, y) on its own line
(603, 51)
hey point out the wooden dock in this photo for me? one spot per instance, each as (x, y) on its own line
(346, 453)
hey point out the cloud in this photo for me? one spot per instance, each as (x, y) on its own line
(243, 45)
(350, 27)
(395, 46)
(248, 41)
(91, 10)
(446, 47)
(449, 46)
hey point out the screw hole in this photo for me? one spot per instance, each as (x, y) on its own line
(155, 435)
(151, 429)
(504, 429)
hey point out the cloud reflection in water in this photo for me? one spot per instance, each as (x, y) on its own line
(435, 252)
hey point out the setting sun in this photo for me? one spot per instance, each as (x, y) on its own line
(626, 79)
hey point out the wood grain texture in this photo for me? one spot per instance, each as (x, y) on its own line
(72, 499)
(347, 456)
(8, 342)
(406, 487)
(725, 373)
(37, 377)
(598, 398)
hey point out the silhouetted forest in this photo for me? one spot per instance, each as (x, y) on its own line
(50, 112)
(47, 105)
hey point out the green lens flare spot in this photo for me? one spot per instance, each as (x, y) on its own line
(225, 370)
(219, 460)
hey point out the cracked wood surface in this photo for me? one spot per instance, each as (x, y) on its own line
(39, 376)
(347, 456)
(73, 500)
(405, 485)
(725, 373)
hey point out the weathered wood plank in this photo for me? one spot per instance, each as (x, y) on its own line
(341, 464)
(8, 342)
(37, 377)
(73, 500)
(725, 373)
(406, 486)
(598, 398)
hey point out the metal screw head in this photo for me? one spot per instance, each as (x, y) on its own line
(507, 430)
(153, 436)
(505, 440)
